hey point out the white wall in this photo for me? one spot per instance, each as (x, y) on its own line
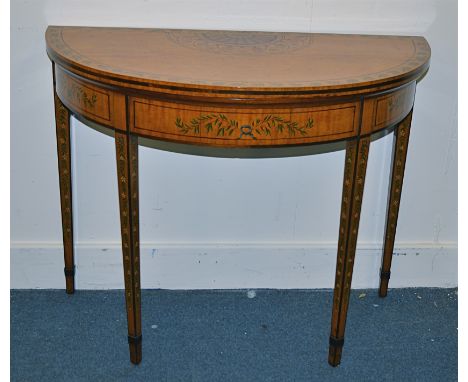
(232, 223)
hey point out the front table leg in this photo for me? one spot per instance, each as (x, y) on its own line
(62, 127)
(400, 149)
(353, 187)
(127, 173)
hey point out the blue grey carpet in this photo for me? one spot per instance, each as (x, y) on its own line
(278, 335)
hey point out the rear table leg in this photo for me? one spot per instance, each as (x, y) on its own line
(400, 149)
(62, 125)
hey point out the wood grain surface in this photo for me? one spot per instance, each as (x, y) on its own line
(242, 127)
(236, 89)
(236, 60)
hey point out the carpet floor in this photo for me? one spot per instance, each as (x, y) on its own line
(262, 335)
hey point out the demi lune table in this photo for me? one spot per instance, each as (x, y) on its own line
(236, 94)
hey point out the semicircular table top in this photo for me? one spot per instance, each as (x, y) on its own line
(238, 60)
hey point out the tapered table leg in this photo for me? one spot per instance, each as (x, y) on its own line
(62, 125)
(353, 188)
(127, 173)
(400, 149)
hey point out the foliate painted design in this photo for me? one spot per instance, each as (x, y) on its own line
(133, 152)
(358, 192)
(122, 174)
(344, 222)
(353, 188)
(127, 171)
(62, 123)
(396, 182)
(400, 149)
(80, 95)
(222, 126)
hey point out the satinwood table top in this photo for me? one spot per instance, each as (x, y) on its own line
(244, 61)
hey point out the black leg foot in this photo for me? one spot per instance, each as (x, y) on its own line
(134, 344)
(335, 350)
(384, 278)
(70, 280)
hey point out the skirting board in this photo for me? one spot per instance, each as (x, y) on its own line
(231, 266)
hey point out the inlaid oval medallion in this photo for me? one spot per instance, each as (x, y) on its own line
(239, 42)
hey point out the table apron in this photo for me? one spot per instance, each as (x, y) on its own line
(234, 125)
